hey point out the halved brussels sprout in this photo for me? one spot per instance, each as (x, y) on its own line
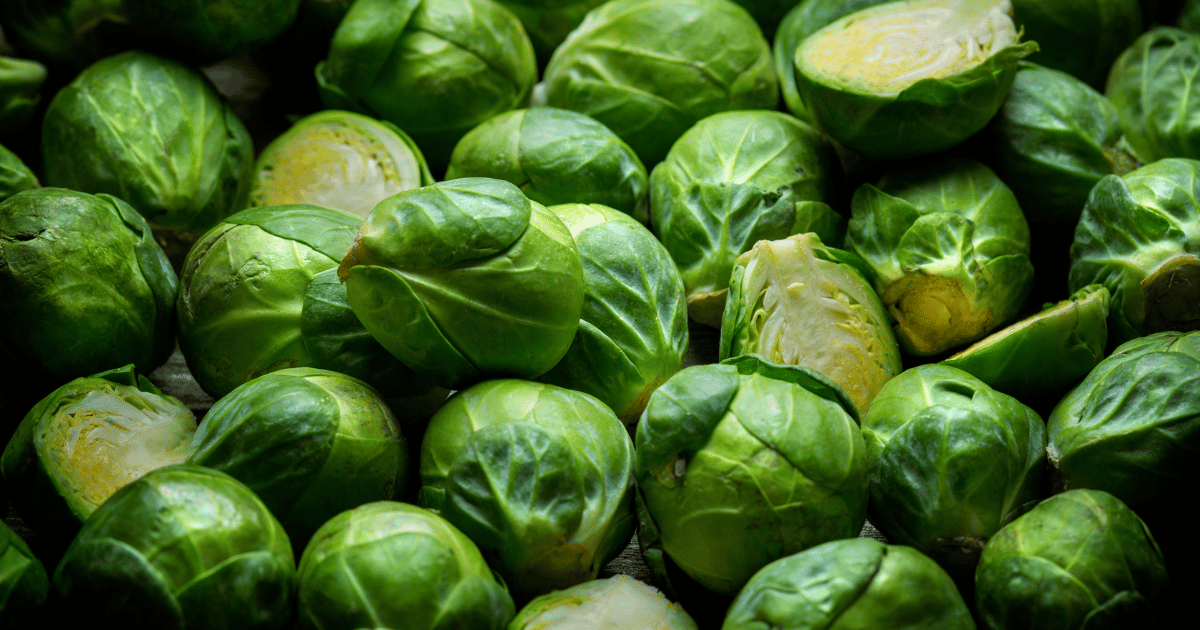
(70, 32)
(14, 175)
(798, 302)
(908, 78)
(210, 30)
(1080, 37)
(395, 566)
(1151, 84)
(617, 602)
(24, 585)
(20, 90)
(338, 160)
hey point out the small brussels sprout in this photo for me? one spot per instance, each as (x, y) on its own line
(548, 22)
(338, 160)
(207, 31)
(857, 583)
(1151, 84)
(88, 439)
(1080, 559)
(395, 566)
(1079, 37)
(555, 156)
(742, 463)
(733, 179)
(24, 585)
(70, 32)
(649, 70)
(20, 90)
(540, 477)
(798, 302)
(949, 247)
(153, 132)
(456, 63)
(908, 78)
(466, 279)
(14, 175)
(183, 545)
(633, 332)
(617, 602)
(1139, 236)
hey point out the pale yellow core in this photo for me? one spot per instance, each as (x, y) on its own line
(892, 46)
(617, 603)
(932, 314)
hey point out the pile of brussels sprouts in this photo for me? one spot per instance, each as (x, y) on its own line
(464, 297)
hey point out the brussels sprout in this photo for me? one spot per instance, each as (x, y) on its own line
(949, 247)
(540, 477)
(88, 439)
(183, 545)
(454, 63)
(337, 160)
(548, 22)
(856, 583)
(210, 30)
(799, 302)
(1080, 559)
(742, 463)
(633, 331)
(555, 156)
(617, 602)
(1080, 37)
(466, 279)
(20, 90)
(1151, 85)
(23, 582)
(732, 180)
(1139, 236)
(908, 78)
(1040, 357)
(389, 565)
(14, 175)
(71, 32)
(650, 69)
(154, 133)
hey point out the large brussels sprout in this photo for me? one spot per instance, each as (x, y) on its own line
(337, 159)
(734, 179)
(548, 22)
(1139, 236)
(70, 32)
(183, 546)
(555, 156)
(949, 247)
(1080, 559)
(1151, 84)
(745, 462)
(466, 279)
(394, 566)
(23, 582)
(649, 69)
(903, 79)
(858, 583)
(799, 302)
(1080, 37)
(540, 477)
(210, 30)
(153, 132)
(617, 602)
(20, 90)
(435, 68)
(14, 175)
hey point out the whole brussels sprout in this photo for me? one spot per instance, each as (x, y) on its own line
(540, 477)
(14, 175)
(1151, 85)
(395, 566)
(1080, 37)
(183, 546)
(903, 79)
(649, 69)
(1080, 559)
(466, 279)
(857, 583)
(20, 90)
(153, 132)
(24, 585)
(74, 33)
(949, 247)
(548, 22)
(207, 31)
(617, 602)
(742, 463)
(733, 179)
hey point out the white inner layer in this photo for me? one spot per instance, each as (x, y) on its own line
(618, 603)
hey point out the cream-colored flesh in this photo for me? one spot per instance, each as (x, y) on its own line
(617, 603)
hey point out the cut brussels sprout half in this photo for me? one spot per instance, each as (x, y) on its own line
(617, 602)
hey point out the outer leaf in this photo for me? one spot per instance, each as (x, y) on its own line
(1151, 85)
(14, 175)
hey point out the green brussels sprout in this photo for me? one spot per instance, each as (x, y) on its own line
(745, 462)
(1080, 37)
(951, 462)
(1079, 560)
(310, 443)
(857, 583)
(1151, 86)
(616, 602)
(540, 477)
(24, 585)
(388, 565)
(153, 132)
(338, 160)
(949, 247)
(633, 332)
(88, 439)
(798, 302)
(86, 288)
(1039, 358)
(453, 63)
(74, 33)
(734, 179)
(182, 546)
(903, 79)
(555, 156)
(548, 22)
(466, 279)
(14, 175)
(1139, 236)
(650, 69)
(20, 91)
(210, 30)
